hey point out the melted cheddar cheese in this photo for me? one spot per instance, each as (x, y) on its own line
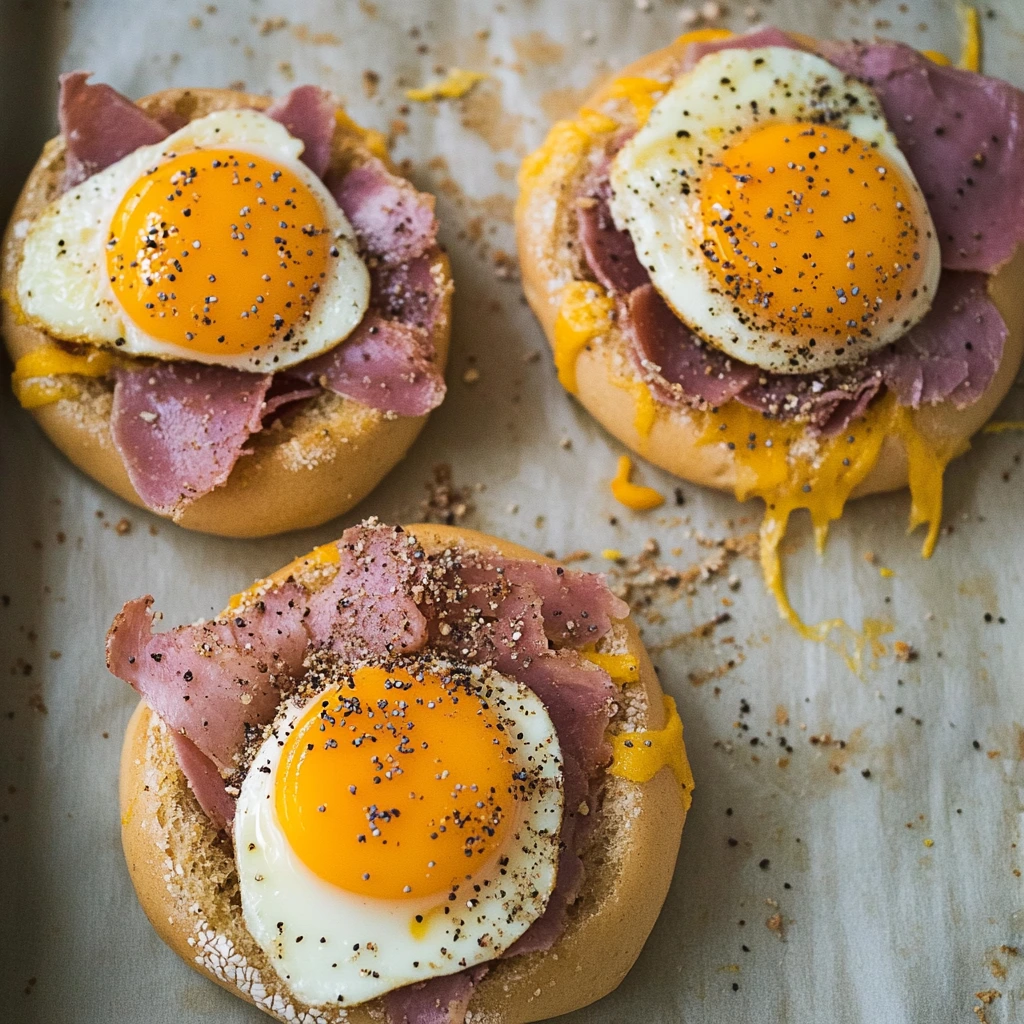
(778, 463)
(374, 141)
(639, 756)
(641, 93)
(623, 668)
(453, 86)
(40, 376)
(970, 50)
(639, 499)
(585, 314)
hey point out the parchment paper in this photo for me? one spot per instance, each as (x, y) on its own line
(853, 849)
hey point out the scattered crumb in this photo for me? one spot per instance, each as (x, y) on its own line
(904, 652)
(471, 376)
(269, 25)
(123, 527)
(445, 503)
(370, 82)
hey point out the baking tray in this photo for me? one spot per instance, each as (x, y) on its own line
(853, 852)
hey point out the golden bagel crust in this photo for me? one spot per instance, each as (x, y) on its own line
(546, 231)
(325, 460)
(184, 874)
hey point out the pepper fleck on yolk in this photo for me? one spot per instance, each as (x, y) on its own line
(218, 252)
(810, 231)
(396, 785)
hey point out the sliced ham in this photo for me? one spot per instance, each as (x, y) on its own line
(963, 136)
(438, 1001)
(826, 401)
(394, 221)
(576, 608)
(308, 114)
(677, 363)
(100, 127)
(367, 611)
(385, 364)
(954, 352)
(214, 682)
(180, 427)
(408, 291)
(205, 781)
(609, 252)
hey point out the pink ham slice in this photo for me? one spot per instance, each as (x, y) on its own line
(963, 136)
(385, 364)
(394, 221)
(205, 782)
(180, 428)
(100, 126)
(577, 608)
(213, 682)
(408, 292)
(954, 352)
(680, 365)
(308, 114)
(367, 610)
(438, 1001)
(609, 252)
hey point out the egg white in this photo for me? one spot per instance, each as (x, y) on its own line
(765, 86)
(368, 946)
(63, 285)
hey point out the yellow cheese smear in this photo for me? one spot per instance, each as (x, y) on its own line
(770, 464)
(585, 314)
(452, 87)
(35, 378)
(639, 499)
(376, 142)
(639, 756)
(970, 51)
(1002, 426)
(325, 554)
(623, 668)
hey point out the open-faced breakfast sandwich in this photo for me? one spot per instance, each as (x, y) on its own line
(785, 267)
(417, 773)
(228, 310)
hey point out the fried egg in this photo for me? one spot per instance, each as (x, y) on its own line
(400, 825)
(216, 245)
(775, 212)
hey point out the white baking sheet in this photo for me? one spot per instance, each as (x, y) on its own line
(898, 893)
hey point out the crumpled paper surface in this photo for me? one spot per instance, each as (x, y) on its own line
(853, 852)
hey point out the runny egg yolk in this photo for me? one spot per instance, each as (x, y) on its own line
(811, 232)
(218, 252)
(396, 786)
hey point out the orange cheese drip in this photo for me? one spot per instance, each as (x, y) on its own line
(39, 376)
(633, 496)
(769, 465)
(639, 756)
